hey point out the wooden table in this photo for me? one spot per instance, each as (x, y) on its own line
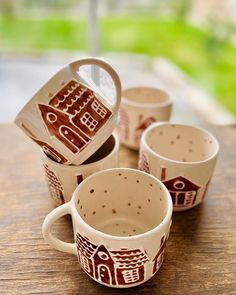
(201, 252)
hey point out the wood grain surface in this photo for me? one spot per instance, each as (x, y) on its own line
(201, 252)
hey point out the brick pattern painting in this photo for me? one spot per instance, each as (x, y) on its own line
(143, 163)
(54, 185)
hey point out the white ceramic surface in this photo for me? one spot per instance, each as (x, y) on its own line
(183, 157)
(62, 179)
(141, 106)
(121, 221)
(69, 117)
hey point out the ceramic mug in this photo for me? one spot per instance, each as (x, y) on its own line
(140, 107)
(183, 157)
(62, 179)
(69, 117)
(121, 220)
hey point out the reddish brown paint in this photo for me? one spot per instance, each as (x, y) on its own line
(54, 185)
(112, 267)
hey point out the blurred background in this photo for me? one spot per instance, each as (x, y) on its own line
(190, 45)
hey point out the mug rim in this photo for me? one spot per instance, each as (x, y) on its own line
(168, 100)
(71, 166)
(156, 154)
(150, 232)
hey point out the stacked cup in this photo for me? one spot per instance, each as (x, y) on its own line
(183, 157)
(72, 121)
(121, 217)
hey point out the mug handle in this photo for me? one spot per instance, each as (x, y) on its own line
(105, 66)
(52, 217)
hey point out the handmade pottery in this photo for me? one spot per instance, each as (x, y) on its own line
(140, 107)
(121, 221)
(69, 117)
(62, 179)
(183, 157)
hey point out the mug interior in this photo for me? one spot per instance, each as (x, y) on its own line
(146, 95)
(100, 154)
(122, 202)
(181, 142)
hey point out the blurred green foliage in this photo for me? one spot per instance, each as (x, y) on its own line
(205, 57)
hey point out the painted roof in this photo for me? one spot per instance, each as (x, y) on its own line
(189, 186)
(72, 97)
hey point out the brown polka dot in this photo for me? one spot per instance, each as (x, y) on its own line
(78, 201)
(94, 212)
(81, 207)
(114, 211)
(161, 132)
(190, 141)
(190, 151)
(184, 160)
(125, 177)
(120, 174)
(178, 136)
(84, 214)
(91, 191)
(137, 181)
(172, 142)
(160, 189)
(103, 206)
(149, 200)
(140, 207)
(105, 191)
(124, 232)
(138, 213)
(160, 199)
(117, 224)
(134, 230)
(129, 204)
(130, 235)
(150, 184)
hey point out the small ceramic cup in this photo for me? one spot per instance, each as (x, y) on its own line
(183, 157)
(121, 220)
(62, 179)
(140, 107)
(69, 116)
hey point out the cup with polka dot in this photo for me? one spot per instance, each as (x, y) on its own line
(121, 221)
(183, 157)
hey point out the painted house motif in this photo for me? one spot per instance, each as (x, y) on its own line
(123, 127)
(183, 192)
(54, 185)
(74, 115)
(113, 267)
(143, 163)
(51, 152)
(158, 259)
(48, 150)
(143, 124)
